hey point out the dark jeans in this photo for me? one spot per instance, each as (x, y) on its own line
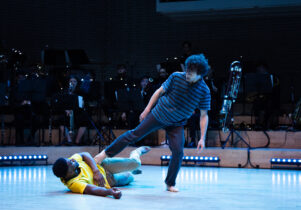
(175, 135)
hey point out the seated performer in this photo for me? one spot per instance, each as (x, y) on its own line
(81, 174)
(169, 108)
(80, 116)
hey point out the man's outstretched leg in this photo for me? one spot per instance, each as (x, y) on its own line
(148, 125)
(118, 169)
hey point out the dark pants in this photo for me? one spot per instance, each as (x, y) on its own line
(175, 135)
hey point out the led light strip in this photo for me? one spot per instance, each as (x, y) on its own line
(193, 158)
(286, 161)
(23, 157)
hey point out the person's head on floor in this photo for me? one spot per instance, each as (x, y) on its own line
(65, 168)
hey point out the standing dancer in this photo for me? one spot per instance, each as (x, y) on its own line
(169, 108)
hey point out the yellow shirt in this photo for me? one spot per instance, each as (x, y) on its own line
(79, 183)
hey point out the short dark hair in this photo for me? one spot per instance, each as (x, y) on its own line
(198, 62)
(60, 168)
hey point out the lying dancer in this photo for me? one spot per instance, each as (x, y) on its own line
(81, 173)
(169, 108)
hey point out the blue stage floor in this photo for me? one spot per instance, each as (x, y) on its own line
(35, 187)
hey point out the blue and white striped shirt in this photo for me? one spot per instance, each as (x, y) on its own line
(180, 100)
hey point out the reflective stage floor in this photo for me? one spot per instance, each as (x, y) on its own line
(35, 187)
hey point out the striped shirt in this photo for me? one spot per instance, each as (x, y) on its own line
(180, 100)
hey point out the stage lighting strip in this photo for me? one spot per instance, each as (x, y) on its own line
(193, 158)
(285, 161)
(23, 157)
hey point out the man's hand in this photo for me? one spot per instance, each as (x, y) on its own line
(116, 192)
(201, 145)
(98, 178)
(143, 115)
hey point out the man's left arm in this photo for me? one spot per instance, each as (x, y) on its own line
(97, 176)
(203, 125)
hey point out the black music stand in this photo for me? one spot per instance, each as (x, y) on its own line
(62, 102)
(34, 91)
(256, 85)
(129, 100)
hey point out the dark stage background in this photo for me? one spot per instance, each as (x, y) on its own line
(132, 32)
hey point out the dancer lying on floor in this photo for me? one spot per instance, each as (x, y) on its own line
(81, 174)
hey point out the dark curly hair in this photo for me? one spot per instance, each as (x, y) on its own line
(198, 62)
(60, 168)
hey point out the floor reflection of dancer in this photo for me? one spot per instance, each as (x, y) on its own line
(169, 108)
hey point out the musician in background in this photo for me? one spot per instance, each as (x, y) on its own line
(266, 105)
(187, 51)
(22, 112)
(161, 77)
(80, 116)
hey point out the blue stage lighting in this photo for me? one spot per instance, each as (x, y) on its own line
(194, 159)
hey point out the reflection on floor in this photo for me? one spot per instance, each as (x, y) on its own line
(35, 187)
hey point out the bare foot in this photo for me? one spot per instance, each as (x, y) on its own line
(172, 189)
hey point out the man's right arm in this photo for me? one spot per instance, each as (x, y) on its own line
(152, 102)
(101, 191)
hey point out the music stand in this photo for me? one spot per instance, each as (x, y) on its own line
(256, 85)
